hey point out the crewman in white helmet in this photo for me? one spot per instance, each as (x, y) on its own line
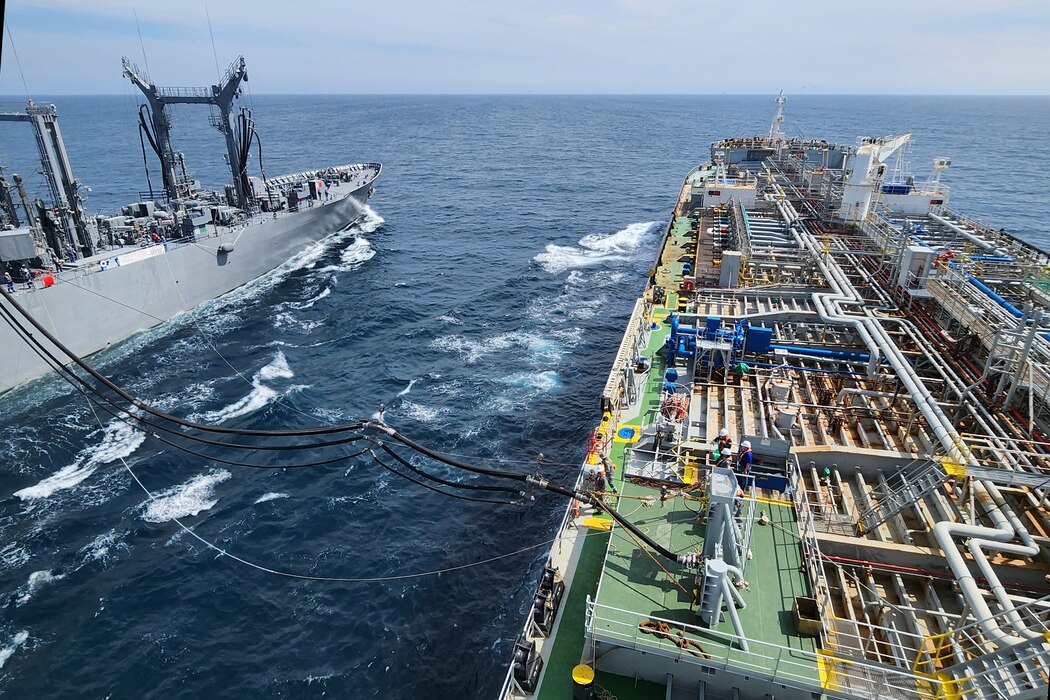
(725, 458)
(723, 440)
(746, 458)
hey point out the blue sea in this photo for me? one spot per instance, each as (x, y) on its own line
(481, 300)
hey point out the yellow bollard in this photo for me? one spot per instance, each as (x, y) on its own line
(582, 682)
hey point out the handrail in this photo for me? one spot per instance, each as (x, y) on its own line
(628, 346)
(810, 545)
(777, 663)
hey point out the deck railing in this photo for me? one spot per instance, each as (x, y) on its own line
(811, 558)
(805, 670)
(634, 340)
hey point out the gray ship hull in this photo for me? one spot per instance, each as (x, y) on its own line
(89, 311)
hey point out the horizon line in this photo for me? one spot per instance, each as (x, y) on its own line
(572, 94)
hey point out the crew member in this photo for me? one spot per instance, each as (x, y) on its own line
(599, 480)
(743, 465)
(723, 440)
(609, 469)
(725, 458)
(746, 458)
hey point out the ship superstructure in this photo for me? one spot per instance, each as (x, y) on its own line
(887, 361)
(97, 280)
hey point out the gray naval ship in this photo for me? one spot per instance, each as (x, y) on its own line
(94, 281)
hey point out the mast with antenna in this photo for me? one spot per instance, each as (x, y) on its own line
(775, 134)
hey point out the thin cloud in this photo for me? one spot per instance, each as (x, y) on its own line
(628, 46)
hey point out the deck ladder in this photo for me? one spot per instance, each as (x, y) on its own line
(903, 490)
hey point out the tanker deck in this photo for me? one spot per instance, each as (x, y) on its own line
(888, 361)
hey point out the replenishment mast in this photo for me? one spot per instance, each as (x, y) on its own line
(97, 280)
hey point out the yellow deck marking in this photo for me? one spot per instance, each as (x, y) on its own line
(598, 523)
(826, 668)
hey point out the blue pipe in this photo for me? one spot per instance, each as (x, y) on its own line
(1014, 311)
(823, 352)
(676, 328)
(991, 258)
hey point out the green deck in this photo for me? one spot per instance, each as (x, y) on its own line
(634, 588)
(637, 588)
(679, 247)
(568, 644)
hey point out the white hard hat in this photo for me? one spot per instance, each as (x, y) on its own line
(728, 450)
(723, 432)
(746, 443)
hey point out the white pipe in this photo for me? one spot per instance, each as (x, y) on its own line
(1006, 522)
(728, 591)
(861, 392)
(968, 235)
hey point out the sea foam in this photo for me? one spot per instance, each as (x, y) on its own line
(271, 496)
(11, 646)
(260, 396)
(185, 500)
(119, 440)
(595, 249)
(37, 580)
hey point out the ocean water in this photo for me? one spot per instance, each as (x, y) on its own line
(481, 301)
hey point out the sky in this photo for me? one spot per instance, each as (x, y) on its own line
(539, 46)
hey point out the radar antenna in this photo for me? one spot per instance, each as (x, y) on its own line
(939, 166)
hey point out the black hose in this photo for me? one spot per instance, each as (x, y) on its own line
(258, 144)
(55, 364)
(620, 520)
(542, 483)
(437, 490)
(451, 461)
(472, 487)
(328, 430)
(145, 162)
(499, 473)
(125, 416)
(143, 110)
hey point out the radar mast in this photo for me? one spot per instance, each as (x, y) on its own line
(775, 134)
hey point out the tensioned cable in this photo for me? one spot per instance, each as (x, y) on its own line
(162, 414)
(332, 579)
(11, 40)
(125, 416)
